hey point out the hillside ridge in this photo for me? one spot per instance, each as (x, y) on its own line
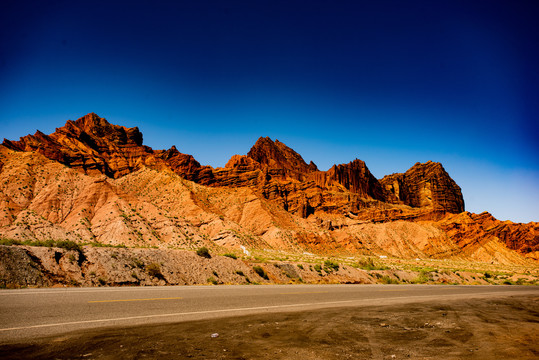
(94, 146)
(94, 182)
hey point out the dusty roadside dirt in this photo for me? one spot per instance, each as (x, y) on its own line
(503, 328)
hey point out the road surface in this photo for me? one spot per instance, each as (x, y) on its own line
(32, 313)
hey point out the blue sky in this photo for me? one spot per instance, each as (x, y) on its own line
(391, 83)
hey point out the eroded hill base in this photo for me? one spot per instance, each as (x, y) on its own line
(32, 266)
(504, 328)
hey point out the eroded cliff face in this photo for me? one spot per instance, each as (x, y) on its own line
(275, 155)
(463, 227)
(90, 144)
(426, 185)
(114, 190)
(354, 177)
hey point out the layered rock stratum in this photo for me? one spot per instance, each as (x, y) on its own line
(94, 182)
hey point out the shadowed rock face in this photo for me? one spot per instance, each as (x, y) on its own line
(276, 155)
(356, 178)
(93, 145)
(90, 144)
(184, 165)
(426, 185)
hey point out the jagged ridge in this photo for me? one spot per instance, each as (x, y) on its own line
(93, 145)
(269, 198)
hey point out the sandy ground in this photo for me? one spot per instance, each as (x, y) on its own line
(503, 328)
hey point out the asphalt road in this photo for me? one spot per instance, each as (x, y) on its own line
(30, 313)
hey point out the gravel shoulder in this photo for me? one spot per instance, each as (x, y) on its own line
(499, 328)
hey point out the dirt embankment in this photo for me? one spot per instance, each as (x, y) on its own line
(504, 328)
(30, 266)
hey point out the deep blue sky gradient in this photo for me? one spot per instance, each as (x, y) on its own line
(388, 82)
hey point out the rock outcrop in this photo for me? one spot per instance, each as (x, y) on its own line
(275, 155)
(426, 185)
(354, 177)
(90, 144)
(185, 165)
(478, 228)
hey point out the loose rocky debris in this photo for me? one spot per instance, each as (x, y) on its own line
(30, 266)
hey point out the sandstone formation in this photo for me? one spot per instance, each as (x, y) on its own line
(354, 177)
(277, 156)
(90, 144)
(94, 182)
(426, 185)
(478, 228)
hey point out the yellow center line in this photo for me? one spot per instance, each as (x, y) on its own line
(153, 299)
(304, 292)
(395, 290)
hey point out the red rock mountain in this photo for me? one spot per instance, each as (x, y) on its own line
(276, 155)
(90, 144)
(116, 190)
(426, 185)
(94, 146)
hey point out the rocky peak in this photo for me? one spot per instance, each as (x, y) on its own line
(242, 162)
(168, 154)
(90, 144)
(276, 155)
(94, 125)
(356, 177)
(426, 185)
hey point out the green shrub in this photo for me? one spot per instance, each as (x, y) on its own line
(64, 244)
(330, 265)
(43, 243)
(261, 272)
(369, 264)
(9, 242)
(422, 278)
(154, 270)
(68, 245)
(388, 280)
(300, 266)
(240, 273)
(204, 252)
(212, 281)
(318, 268)
(232, 256)
(46, 243)
(137, 263)
(98, 244)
